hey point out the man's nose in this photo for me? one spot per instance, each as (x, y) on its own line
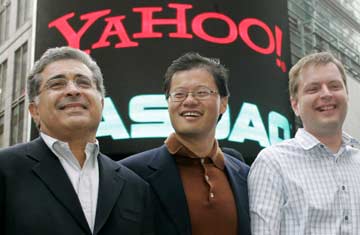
(190, 98)
(72, 88)
(325, 92)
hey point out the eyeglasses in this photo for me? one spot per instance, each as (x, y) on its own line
(57, 84)
(201, 93)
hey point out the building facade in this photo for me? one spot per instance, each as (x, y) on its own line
(315, 25)
(15, 46)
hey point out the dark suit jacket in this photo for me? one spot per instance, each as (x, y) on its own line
(37, 197)
(158, 168)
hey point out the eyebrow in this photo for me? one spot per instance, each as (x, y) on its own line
(311, 84)
(196, 87)
(58, 76)
(335, 81)
(318, 83)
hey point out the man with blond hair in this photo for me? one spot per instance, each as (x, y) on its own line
(310, 184)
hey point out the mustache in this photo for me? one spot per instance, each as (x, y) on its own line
(71, 100)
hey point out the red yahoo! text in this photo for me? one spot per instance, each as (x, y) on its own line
(115, 27)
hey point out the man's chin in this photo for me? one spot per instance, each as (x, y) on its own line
(329, 127)
(77, 122)
(189, 132)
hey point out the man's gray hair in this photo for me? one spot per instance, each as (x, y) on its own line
(34, 78)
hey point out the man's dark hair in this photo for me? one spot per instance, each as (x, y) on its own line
(193, 60)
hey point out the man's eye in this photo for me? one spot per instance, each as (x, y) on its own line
(83, 82)
(311, 90)
(179, 94)
(56, 84)
(335, 86)
(202, 93)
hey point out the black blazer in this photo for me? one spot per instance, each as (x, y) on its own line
(37, 197)
(158, 168)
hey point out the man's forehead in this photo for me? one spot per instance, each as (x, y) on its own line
(317, 65)
(66, 66)
(312, 72)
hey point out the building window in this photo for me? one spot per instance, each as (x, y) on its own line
(3, 70)
(17, 123)
(4, 20)
(23, 12)
(20, 72)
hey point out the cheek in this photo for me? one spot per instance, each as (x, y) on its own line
(49, 101)
(44, 106)
(216, 107)
(172, 108)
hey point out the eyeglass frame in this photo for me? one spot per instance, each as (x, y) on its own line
(63, 86)
(194, 94)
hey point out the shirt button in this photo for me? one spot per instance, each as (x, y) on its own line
(202, 160)
(346, 217)
(343, 187)
(212, 195)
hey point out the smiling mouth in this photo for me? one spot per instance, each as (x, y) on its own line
(73, 105)
(326, 108)
(190, 114)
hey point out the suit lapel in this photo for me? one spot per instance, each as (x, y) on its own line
(239, 188)
(110, 186)
(166, 183)
(53, 175)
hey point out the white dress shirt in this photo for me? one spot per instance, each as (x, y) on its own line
(85, 180)
(300, 187)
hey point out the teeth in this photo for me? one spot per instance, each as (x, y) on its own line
(328, 107)
(191, 114)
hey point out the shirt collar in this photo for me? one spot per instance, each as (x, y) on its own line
(308, 141)
(175, 147)
(349, 140)
(59, 147)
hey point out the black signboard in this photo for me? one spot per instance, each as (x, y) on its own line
(135, 41)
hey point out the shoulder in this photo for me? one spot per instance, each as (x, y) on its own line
(122, 171)
(272, 161)
(13, 154)
(14, 150)
(143, 158)
(18, 160)
(146, 163)
(279, 151)
(240, 166)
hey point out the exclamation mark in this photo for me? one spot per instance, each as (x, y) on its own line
(278, 40)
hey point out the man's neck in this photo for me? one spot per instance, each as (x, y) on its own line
(78, 149)
(77, 144)
(200, 146)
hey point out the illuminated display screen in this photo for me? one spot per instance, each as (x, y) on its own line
(135, 41)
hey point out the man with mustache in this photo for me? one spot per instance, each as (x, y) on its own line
(198, 189)
(310, 184)
(60, 183)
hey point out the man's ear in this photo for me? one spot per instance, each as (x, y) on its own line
(34, 112)
(223, 104)
(295, 105)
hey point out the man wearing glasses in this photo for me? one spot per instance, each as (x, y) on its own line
(198, 189)
(60, 183)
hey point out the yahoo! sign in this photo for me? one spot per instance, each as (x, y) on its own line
(115, 27)
(135, 41)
